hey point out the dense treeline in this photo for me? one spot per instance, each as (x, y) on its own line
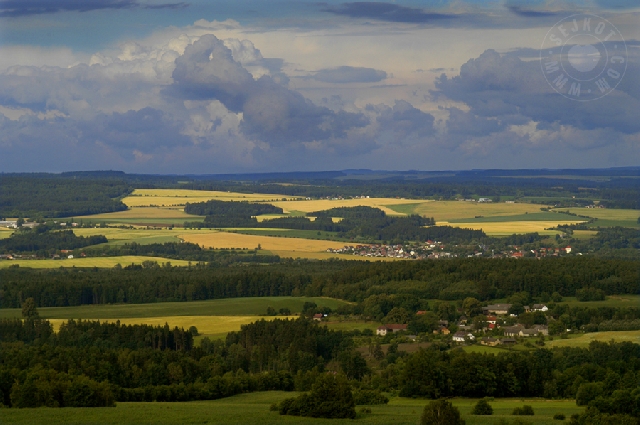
(42, 241)
(214, 207)
(364, 224)
(454, 279)
(82, 333)
(50, 195)
(556, 373)
(97, 360)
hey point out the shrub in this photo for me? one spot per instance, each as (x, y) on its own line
(559, 417)
(330, 397)
(482, 408)
(441, 412)
(369, 397)
(525, 410)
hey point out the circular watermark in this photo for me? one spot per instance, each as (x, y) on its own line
(583, 57)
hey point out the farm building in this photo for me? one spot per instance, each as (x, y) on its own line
(393, 328)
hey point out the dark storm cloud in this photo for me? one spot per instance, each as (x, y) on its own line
(271, 112)
(617, 4)
(349, 74)
(505, 88)
(146, 130)
(531, 13)
(17, 8)
(404, 119)
(388, 12)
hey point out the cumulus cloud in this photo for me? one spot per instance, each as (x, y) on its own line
(17, 8)
(349, 74)
(501, 85)
(271, 111)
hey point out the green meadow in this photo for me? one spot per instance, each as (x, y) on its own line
(254, 409)
(219, 307)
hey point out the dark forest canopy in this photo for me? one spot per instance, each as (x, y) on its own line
(451, 279)
(41, 241)
(144, 363)
(51, 195)
(234, 208)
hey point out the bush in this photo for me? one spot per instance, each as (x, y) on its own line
(330, 397)
(482, 408)
(369, 397)
(441, 412)
(559, 417)
(525, 410)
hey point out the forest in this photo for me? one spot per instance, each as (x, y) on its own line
(51, 195)
(454, 279)
(43, 242)
(98, 364)
(358, 223)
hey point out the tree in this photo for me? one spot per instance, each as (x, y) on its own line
(29, 310)
(472, 307)
(482, 408)
(516, 309)
(441, 412)
(353, 364)
(330, 397)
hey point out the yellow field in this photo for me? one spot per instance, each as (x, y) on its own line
(605, 213)
(325, 204)
(179, 197)
(585, 340)
(103, 262)
(269, 243)
(506, 228)
(455, 210)
(207, 325)
(145, 212)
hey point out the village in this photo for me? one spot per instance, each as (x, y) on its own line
(435, 250)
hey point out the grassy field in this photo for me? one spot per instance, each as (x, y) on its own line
(254, 409)
(608, 217)
(101, 262)
(146, 212)
(584, 234)
(5, 232)
(152, 216)
(585, 339)
(179, 197)
(458, 210)
(610, 301)
(223, 307)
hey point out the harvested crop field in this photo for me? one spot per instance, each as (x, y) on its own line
(179, 197)
(510, 227)
(270, 243)
(207, 325)
(325, 204)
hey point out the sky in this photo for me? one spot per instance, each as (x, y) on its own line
(207, 87)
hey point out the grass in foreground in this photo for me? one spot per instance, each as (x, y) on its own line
(253, 306)
(583, 341)
(254, 409)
